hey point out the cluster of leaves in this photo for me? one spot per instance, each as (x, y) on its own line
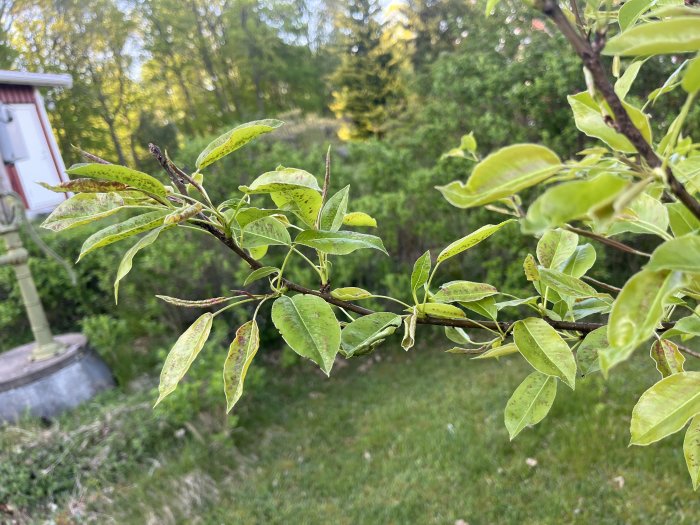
(629, 184)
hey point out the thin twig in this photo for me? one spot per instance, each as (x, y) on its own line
(610, 242)
(600, 284)
(90, 156)
(687, 350)
(169, 168)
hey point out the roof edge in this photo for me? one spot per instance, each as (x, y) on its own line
(25, 78)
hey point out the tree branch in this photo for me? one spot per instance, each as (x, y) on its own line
(610, 242)
(590, 56)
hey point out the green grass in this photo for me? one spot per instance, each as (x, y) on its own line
(415, 438)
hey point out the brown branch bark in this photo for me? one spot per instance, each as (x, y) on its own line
(610, 242)
(590, 56)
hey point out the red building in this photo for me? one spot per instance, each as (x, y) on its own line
(28, 150)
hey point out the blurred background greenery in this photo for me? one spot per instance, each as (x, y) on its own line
(390, 86)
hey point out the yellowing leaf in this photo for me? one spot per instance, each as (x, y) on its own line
(265, 232)
(350, 293)
(499, 351)
(503, 173)
(358, 218)
(665, 408)
(183, 354)
(530, 402)
(667, 357)
(283, 179)
(82, 209)
(122, 174)
(555, 247)
(409, 336)
(303, 202)
(234, 139)
(545, 350)
(240, 354)
(444, 311)
(470, 240)
(681, 254)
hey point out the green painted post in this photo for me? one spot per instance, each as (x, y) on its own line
(18, 257)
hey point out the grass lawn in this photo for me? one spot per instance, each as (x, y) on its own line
(416, 438)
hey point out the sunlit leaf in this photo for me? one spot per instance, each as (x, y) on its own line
(284, 179)
(580, 261)
(544, 349)
(665, 408)
(183, 354)
(503, 173)
(691, 79)
(421, 272)
(240, 354)
(681, 219)
(673, 35)
(530, 268)
(499, 351)
(470, 240)
(305, 203)
(309, 327)
(260, 273)
(234, 139)
(630, 12)
(530, 402)
(86, 186)
(566, 285)
(83, 209)
(358, 218)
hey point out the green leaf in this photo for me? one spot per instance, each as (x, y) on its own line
(443, 311)
(687, 328)
(544, 349)
(309, 327)
(637, 311)
(572, 200)
(468, 142)
(351, 293)
(366, 333)
(503, 173)
(681, 219)
(123, 230)
(260, 273)
(258, 252)
(340, 242)
(234, 139)
(463, 291)
(86, 186)
(624, 83)
(682, 254)
(409, 324)
(485, 307)
(305, 203)
(83, 209)
(555, 247)
(420, 273)
(499, 351)
(588, 116)
(284, 179)
(128, 259)
(265, 232)
(644, 215)
(333, 212)
(665, 408)
(491, 5)
(530, 402)
(580, 261)
(674, 35)
(587, 353)
(566, 285)
(470, 240)
(240, 354)
(183, 354)
(667, 357)
(630, 12)
(122, 174)
(691, 79)
(358, 218)
(247, 215)
(691, 451)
